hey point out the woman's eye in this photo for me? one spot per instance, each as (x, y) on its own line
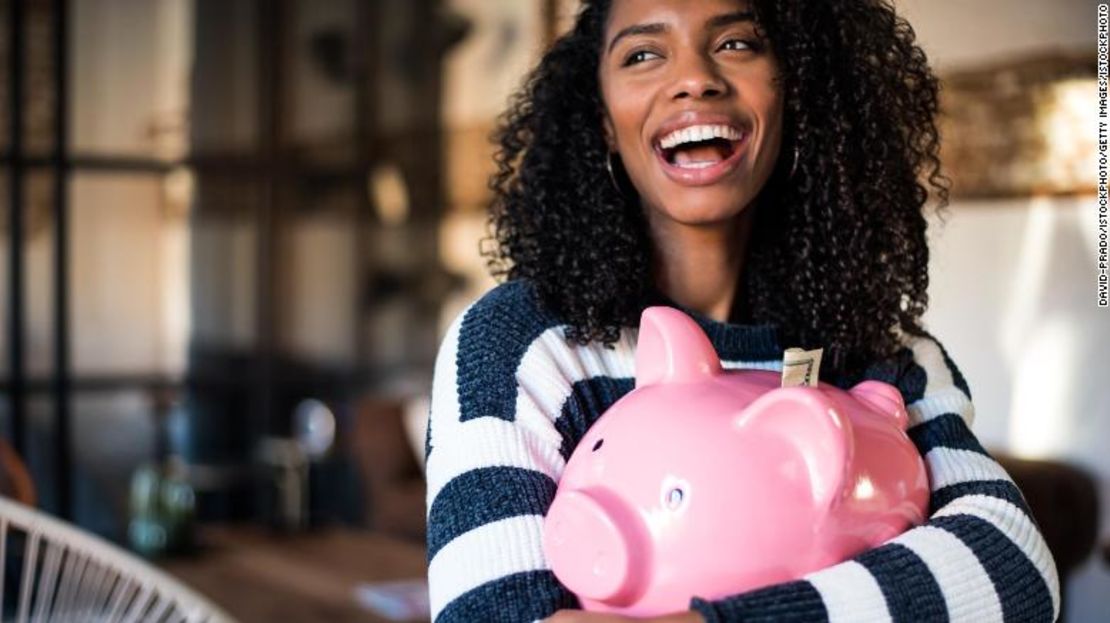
(738, 44)
(639, 57)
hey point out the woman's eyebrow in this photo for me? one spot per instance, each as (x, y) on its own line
(637, 29)
(717, 21)
(727, 19)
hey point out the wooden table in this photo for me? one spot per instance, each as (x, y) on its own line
(258, 576)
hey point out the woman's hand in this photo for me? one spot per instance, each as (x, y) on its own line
(581, 616)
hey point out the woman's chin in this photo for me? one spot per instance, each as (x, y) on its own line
(702, 211)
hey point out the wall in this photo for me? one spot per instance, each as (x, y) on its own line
(1013, 281)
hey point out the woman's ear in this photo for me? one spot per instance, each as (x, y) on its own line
(608, 131)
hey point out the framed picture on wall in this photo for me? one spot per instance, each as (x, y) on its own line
(1020, 128)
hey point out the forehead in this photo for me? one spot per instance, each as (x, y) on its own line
(678, 12)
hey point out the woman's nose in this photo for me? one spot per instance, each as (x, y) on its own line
(696, 77)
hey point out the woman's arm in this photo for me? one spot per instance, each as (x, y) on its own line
(980, 556)
(493, 461)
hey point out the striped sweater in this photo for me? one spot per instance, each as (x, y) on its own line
(511, 399)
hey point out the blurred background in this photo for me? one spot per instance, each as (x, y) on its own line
(234, 230)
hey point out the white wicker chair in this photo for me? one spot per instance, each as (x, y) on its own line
(66, 574)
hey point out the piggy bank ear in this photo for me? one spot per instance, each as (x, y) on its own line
(672, 348)
(813, 440)
(884, 398)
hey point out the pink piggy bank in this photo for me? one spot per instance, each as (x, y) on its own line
(705, 482)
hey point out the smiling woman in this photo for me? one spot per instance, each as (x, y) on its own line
(764, 167)
(692, 108)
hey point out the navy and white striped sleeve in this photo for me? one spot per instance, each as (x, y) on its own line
(980, 556)
(493, 461)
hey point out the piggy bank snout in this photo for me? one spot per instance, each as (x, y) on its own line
(593, 544)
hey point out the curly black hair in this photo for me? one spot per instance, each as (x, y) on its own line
(838, 256)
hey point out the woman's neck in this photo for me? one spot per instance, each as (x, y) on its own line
(699, 266)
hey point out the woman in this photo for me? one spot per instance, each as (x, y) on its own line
(757, 165)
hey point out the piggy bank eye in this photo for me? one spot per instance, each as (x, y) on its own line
(674, 498)
(597, 445)
(674, 494)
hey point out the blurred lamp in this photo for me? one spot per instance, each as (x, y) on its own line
(389, 194)
(314, 427)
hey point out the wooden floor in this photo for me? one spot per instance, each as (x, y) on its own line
(257, 576)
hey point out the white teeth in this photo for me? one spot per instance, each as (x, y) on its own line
(696, 133)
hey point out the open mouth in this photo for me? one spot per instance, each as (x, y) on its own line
(699, 147)
(701, 154)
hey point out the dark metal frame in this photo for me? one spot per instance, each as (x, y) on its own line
(62, 395)
(269, 166)
(16, 372)
(19, 163)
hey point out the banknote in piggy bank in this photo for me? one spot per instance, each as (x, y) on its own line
(709, 482)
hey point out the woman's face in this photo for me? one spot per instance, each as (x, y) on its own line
(691, 105)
